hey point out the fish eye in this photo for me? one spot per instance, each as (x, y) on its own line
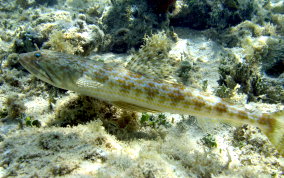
(37, 55)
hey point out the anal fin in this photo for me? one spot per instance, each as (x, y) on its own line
(133, 107)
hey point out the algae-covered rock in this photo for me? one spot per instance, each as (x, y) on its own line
(254, 61)
(53, 153)
(252, 80)
(27, 40)
(277, 7)
(14, 4)
(14, 107)
(127, 22)
(46, 2)
(185, 70)
(198, 14)
(55, 31)
(75, 110)
(250, 139)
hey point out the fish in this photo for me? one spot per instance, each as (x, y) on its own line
(134, 91)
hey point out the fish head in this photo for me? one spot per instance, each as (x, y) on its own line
(57, 69)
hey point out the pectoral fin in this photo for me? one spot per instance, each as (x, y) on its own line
(85, 82)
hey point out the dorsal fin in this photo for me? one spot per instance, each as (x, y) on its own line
(152, 59)
(136, 66)
(151, 69)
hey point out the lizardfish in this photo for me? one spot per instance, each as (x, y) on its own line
(134, 91)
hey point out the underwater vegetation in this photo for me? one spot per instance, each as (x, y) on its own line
(251, 82)
(13, 108)
(128, 22)
(200, 15)
(27, 3)
(262, 64)
(209, 141)
(251, 138)
(32, 122)
(154, 122)
(185, 70)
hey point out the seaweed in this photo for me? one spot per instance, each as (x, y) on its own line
(13, 107)
(128, 22)
(32, 122)
(209, 141)
(26, 3)
(200, 15)
(185, 70)
(154, 121)
(46, 2)
(58, 42)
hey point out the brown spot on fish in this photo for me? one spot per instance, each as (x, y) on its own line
(151, 92)
(198, 104)
(178, 86)
(124, 87)
(101, 78)
(134, 75)
(139, 81)
(242, 115)
(138, 91)
(165, 88)
(126, 78)
(208, 108)
(220, 107)
(188, 94)
(179, 95)
(187, 104)
(162, 99)
(176, 96)
(158, 81)
(151, 84)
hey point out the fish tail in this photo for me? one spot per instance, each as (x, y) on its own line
(276, 132)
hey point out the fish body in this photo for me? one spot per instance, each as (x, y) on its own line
(133, 91)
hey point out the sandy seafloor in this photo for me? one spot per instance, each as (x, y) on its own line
(84, 137)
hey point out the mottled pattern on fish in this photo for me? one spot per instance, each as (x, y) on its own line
(134, 91)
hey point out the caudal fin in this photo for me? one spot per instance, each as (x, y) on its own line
(276, 132)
